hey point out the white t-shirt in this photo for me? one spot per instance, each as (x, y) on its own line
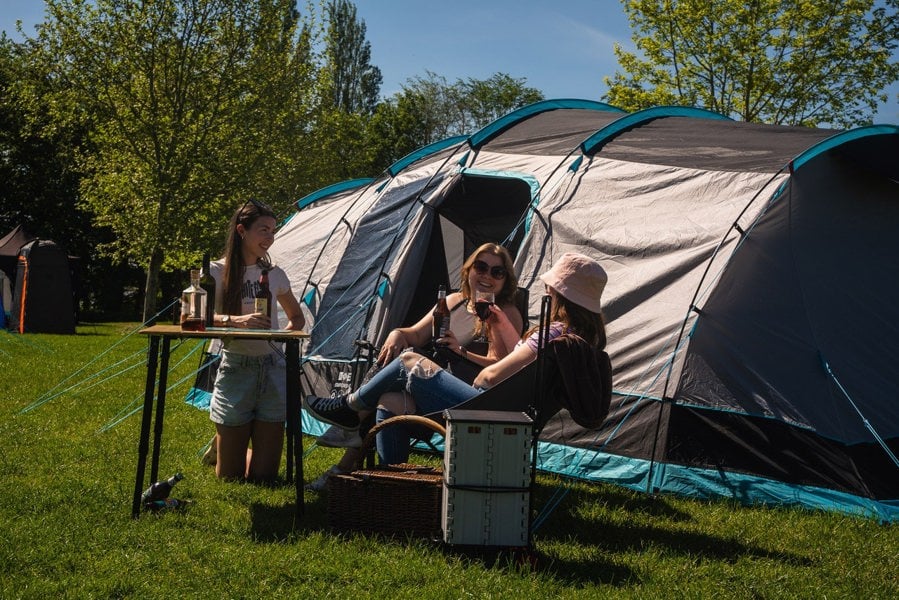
(277, 283)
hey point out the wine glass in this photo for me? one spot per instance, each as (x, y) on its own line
(482, 303)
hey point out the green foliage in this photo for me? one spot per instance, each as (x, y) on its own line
(196, 106)
(793, 62)
(354, 83)
(430, 109)
(40, 174)
(67, 477)
(133, 128)
(484, 101)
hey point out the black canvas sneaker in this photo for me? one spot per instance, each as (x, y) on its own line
(332, 410)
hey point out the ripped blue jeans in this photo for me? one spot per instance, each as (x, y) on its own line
(432, 390)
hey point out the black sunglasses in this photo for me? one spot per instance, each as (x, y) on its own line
(497, 272)
(262, 207)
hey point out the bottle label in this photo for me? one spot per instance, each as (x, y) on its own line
(261, 306)
(441, 325)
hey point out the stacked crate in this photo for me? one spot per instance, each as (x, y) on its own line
(487, 478)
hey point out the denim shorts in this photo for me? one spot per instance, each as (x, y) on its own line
(249, 388)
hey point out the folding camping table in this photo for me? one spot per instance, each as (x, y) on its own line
(165, 334)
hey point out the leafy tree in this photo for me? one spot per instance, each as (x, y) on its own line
(39, 175)
(429, 109)
(792, 62)
(196, 105)
(486, 100)
(355, 83)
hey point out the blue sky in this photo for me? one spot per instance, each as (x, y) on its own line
(564, 49)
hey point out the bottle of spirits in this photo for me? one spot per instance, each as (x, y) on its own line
(440, 316)
(193, 304)
(264, 296)
(161, 489)
(208, 285)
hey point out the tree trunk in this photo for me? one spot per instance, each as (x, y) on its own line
(152, 286)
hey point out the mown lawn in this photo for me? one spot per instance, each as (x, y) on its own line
(67, 460)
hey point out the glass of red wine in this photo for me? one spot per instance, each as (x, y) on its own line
(482, 303)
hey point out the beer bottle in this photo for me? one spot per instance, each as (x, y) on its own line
(208, 285)
(264, 296)
(161, 489)
(441, 315)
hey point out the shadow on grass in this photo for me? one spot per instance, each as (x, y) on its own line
(566, 527)
(279, 524)
(276, 524)
(578, 573)
(627, 536)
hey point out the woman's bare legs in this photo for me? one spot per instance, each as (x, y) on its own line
(268, 445)
(232, 442)
(236, 461)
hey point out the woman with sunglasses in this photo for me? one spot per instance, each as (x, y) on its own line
(489, 268)
(249, 399)
(575, 284)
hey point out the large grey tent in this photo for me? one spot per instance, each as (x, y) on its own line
(750, 305)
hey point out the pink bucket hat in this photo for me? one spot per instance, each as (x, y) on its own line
(579, 279)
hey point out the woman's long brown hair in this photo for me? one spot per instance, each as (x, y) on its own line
(577, 319)
(587, 324)
(232, 277)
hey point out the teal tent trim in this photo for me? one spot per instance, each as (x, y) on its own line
(198, 398)
(594, 143)
(843, 138)
(749, 490)
(503, 123)
(332, 189)
(525, 177)
(426, 151)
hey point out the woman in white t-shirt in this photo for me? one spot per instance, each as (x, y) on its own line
(249, 399)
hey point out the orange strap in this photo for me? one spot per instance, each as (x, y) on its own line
(23, 262)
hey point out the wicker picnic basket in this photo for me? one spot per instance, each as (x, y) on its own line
(399, 499)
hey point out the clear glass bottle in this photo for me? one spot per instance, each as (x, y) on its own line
(193, 304)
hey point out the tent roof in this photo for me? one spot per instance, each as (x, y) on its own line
(552, 132)
(14, 240)
(711, 144)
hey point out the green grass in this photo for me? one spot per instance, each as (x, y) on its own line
(67, 476)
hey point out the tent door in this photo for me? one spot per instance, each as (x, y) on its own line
(479, 208)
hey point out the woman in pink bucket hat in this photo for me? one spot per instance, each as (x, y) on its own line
(575, 284)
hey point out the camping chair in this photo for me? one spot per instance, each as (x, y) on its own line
(521, 303)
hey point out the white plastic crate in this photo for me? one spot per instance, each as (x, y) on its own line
(486, 489)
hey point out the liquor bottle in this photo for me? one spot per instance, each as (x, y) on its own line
(208, 285)
(263, 301)
(193, 304)
(440, 316)
(161, 489)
